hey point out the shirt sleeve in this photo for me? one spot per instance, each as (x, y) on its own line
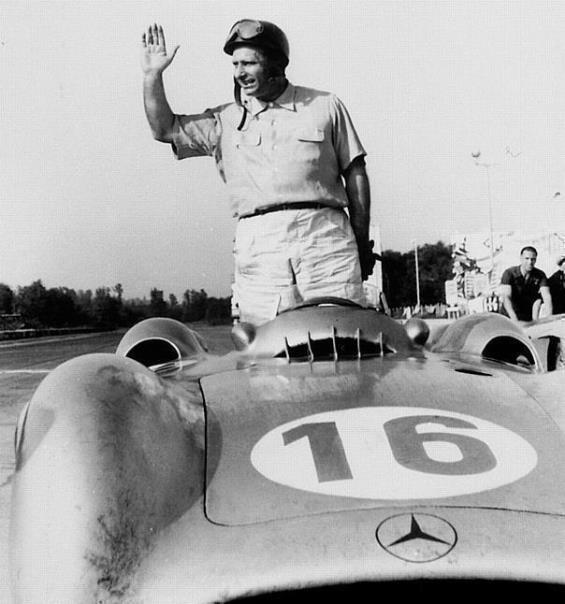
(346, 140)
(195, 135)
(543, 280)
(506, 278)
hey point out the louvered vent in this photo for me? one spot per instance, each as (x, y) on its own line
(336, 348)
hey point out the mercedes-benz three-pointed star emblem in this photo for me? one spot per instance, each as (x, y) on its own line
(416, 537)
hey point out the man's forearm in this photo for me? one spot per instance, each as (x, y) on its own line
(547, 301)
(157, 109)
(507, 303)
(359, 197)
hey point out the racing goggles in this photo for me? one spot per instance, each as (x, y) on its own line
(246, 29)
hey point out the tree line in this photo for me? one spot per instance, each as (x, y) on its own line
(435, 267)
(106, 308)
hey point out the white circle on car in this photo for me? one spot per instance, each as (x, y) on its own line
(393, 453)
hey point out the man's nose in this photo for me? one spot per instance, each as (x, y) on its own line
(239, 71)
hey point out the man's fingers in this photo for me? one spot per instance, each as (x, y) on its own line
(153, 45)
(154, 35)
(161, 37)
(158, 35)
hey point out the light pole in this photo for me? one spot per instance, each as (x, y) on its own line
(487, 168)
(417, 274)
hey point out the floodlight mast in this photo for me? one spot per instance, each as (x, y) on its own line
(487, 167)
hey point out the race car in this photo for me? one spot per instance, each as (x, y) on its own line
(334, 453)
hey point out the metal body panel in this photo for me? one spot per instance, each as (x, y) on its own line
(336, 548)
(207, 479)
(247, 404)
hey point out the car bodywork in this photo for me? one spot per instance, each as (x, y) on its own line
(335, 449)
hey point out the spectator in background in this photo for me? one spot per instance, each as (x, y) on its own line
(524, 287)
(557, 287)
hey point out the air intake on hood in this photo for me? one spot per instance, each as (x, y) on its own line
(154, 352)
(507, 349)
(336, 348)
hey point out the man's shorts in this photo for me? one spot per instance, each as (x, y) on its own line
(283, 258)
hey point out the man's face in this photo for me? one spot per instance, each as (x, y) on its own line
(249, 71)
(528, 261)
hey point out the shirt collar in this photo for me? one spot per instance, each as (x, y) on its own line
(285, 100)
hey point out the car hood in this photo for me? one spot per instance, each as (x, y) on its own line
(288, 440)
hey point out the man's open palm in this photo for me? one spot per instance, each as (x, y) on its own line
(154, 58)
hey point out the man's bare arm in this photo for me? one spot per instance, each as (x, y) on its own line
(506, 293)
(359, 196)
(154, 60)
(547, 300)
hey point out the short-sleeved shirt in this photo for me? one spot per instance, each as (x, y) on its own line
(557, 289)
(293, 149)
(524, 291)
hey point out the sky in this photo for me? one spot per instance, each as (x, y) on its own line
(89, 199)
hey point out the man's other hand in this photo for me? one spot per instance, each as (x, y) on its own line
(367, 259)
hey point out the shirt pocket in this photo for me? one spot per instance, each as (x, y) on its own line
(248, 139)
(311, 135)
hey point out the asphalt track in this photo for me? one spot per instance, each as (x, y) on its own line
(23, 365)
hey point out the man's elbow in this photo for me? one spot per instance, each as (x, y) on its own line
(162, 135)
(161, 126)
(357, 167)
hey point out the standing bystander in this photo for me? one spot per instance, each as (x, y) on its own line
(524, 287)
(557, 287)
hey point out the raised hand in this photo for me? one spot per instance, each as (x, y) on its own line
(154, 57)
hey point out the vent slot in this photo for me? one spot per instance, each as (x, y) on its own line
(472, 371)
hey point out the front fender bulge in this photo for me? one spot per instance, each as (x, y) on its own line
(108, 454)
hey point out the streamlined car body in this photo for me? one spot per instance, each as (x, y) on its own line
(335, 452)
